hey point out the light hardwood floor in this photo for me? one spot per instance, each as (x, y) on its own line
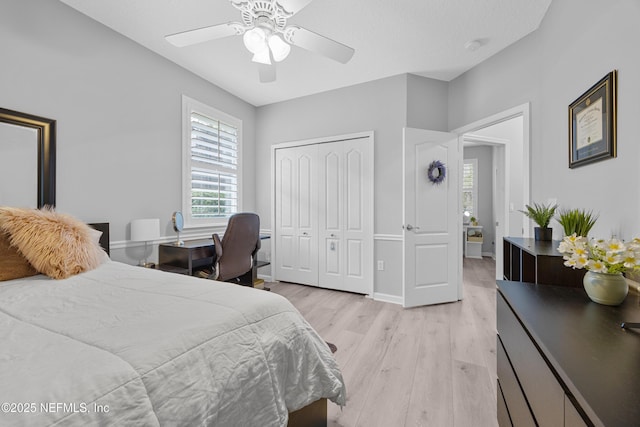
(426, 366)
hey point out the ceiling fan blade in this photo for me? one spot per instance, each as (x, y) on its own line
(200, 35)
(293, 6)
(267, 73)
(314, 42)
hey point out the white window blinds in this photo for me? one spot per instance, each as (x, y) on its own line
(213, 142)
(212, 164)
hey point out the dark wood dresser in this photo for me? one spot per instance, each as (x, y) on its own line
(564, 360)
(533, 261)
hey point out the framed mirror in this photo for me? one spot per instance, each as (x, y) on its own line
(27, 160)
(178, 224)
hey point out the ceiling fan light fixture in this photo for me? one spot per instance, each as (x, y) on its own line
(279, 48)
(262, 56)
(255, 40)
(266, 34)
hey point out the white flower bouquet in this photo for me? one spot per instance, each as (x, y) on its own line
(611, 256)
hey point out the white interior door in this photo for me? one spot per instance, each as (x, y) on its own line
(345, 215)
(296, 259)
(331, 215)
(500, 210)
(432, 229)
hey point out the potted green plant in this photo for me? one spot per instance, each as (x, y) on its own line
(576, 221)
(541, 214)
(473, 221)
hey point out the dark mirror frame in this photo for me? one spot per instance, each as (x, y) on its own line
(46, 135)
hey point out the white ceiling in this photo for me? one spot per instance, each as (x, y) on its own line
(390, 37)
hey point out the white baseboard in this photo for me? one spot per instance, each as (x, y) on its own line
(394, 299)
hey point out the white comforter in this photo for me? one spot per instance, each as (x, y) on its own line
(123, 345)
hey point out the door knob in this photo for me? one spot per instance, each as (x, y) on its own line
(409, 227)
(305, 234)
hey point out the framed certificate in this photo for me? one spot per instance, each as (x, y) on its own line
(592, 123)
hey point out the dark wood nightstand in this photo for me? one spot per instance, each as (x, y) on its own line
(187, 259)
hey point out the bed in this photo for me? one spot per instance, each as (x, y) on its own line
(125, 345)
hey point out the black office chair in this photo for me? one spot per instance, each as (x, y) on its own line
(237, 252)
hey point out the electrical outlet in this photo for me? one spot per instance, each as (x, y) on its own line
(380, 265)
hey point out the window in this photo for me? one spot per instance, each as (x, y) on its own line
(470, 187)
(211, 144)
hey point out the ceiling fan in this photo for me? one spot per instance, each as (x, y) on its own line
(264, 26)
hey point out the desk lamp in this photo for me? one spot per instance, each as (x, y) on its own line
(145, 230)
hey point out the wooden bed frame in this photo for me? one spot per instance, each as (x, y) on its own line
(104, 239)
(312, 415)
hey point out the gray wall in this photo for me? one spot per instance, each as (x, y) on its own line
(381, 106)
(485, 217)
(118, 111)
(427, 102)
(578, 42)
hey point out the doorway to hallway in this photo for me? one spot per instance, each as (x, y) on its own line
(502, 141)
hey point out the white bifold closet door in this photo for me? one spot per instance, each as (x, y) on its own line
(324, 221)
(296, 255)
(345, 229)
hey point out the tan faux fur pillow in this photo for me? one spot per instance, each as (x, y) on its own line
(55, 244)
(12, 264)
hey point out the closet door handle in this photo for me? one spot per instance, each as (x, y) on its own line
(305, 234)
(333, 235)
